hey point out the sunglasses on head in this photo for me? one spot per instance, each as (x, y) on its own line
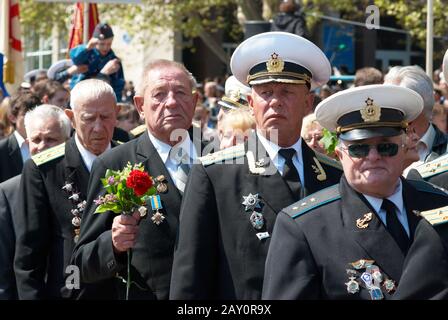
(361, 150)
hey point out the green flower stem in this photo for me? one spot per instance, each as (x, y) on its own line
(128, 281)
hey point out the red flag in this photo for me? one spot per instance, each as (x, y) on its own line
(77, 26)
(10, 43)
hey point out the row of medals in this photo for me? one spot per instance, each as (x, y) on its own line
(370, 277)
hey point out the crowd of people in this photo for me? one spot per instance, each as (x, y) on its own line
(250, 203)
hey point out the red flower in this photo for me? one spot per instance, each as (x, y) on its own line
(139, 181)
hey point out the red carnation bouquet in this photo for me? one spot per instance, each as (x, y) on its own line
(127, 190)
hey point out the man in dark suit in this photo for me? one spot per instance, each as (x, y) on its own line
(433, 142)
(14, 150)
(232, 197)
(365, 238)
(46, 126)
(52, 196)
(167, 100)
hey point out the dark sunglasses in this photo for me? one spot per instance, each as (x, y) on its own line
(361, 150)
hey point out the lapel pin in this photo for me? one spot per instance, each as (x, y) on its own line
(363, 223)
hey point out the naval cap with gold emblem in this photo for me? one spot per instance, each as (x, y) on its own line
(369, 111)
(280, 57)
(235, 94)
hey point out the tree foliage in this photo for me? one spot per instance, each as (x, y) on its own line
(196, 18)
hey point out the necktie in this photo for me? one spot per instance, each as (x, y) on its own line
(182, 160)
(290, 173)
(395, 227)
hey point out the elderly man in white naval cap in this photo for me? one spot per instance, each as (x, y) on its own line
(233, 196)
(366, 237)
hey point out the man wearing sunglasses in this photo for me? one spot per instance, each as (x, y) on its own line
(367, 237)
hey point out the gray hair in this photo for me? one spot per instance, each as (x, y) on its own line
(45, 112)
(414, 78)
(92, 88)
(161, 63)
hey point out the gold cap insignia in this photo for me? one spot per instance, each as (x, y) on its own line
(371, 112)
(235, 95)
(275, 64)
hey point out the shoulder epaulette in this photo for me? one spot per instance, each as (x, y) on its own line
(223, 155)
(49, 154)
(119, 142)
(138, 130)
(313, 201)
(433, 167)
(436, 216)
(424, 186)
(328, 160)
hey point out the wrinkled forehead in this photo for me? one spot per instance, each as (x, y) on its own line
(168, 75)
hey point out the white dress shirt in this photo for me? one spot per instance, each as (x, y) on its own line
(278, 161)
(164, 149)
(87, 156)
(23, 145)
(397, 199)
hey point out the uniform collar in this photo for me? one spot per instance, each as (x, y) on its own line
(396, 198)
(87, 156)
(163, 149)
(272, 148)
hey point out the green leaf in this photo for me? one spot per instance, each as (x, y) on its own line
(115, 207)
(329, 140)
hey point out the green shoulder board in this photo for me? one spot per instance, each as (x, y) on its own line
(436, 216)
(328, 160)
(434, 167)
(313, 201)
(424, 186)
(49, 154)
(138, 130)
(223, 155)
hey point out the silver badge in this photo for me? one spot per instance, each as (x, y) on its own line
(257, 220)
(352, 285)
(251, 202)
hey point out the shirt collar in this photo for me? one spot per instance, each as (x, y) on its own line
(396, 198)
(272, 148)
(87, 156)
(163, 149)
(428, 137)
(19, 138)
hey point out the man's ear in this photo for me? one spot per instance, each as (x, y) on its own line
(45, 99)
(69, 113)
(12, 119)
(139, 102)
(309, 102)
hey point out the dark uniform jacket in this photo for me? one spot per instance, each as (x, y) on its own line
(9, 193)
(11, 163)
(45, 234)
(439, 144)
(316, 240)
(218, 254)
(152, 255)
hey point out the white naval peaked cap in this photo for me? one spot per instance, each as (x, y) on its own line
(235, 94)
(58, 66)
(280, 57)
(369, 111)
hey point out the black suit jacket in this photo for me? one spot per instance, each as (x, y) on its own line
(153, 253)
(439, 143)
(219, 255)
(310, 253)
(9, 191)
(11, 163)
(45, 234)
